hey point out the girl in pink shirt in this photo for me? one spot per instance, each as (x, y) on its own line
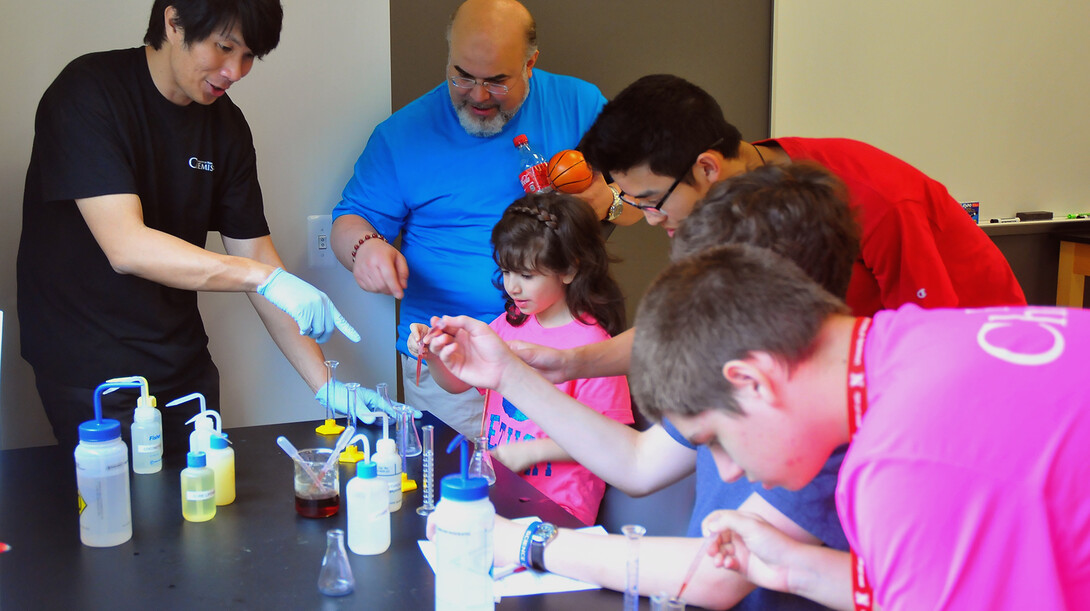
(554, 271)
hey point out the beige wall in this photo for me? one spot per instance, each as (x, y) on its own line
(988, 97)
(311, 104)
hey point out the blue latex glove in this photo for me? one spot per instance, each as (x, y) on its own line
(312, 310)
(367, 401)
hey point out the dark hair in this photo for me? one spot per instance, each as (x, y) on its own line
(661, 120)
(558, 233)
(259, 20)
(716, 306)
(798, 210)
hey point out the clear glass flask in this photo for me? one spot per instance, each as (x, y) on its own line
(632, 532)
(408, 439)
(480, 464)
(336, 576)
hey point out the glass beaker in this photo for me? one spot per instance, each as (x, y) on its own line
(664, 602)
(632, 532)
(336, 577)
(319, 499)
(480, 464)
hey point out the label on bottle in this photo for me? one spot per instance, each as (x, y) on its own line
(535, 178)
(199, 495)
(149, 448)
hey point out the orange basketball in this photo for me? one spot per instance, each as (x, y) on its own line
(569, 172)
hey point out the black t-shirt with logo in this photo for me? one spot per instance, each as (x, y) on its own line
(103, 128)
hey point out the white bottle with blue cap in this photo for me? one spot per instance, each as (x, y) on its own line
(102, 478)
(368, 507)
(464, 519)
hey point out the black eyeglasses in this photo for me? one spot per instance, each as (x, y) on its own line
(657, 208)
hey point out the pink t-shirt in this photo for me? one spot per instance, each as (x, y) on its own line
(968, 484)
(569, 484)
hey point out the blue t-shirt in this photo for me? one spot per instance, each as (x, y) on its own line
(423, 177)
(813, 508)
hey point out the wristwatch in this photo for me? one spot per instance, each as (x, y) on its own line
(616, 207)
(542, 535)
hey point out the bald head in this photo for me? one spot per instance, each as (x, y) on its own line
(500, 23)
(491, 55)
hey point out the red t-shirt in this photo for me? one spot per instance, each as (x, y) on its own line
(917, 243)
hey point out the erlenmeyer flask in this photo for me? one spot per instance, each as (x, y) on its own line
(336, 576)
(480, 464)
(408, 439)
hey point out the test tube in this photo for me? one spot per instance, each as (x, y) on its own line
(632, 532)
(429, 471)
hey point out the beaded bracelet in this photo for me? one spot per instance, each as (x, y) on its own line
(356, 248)
(524, 549)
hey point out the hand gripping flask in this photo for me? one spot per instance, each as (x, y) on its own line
(368, 502)
(464, 520)
(102, 478)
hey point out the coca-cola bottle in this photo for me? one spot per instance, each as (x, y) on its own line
(533, 168)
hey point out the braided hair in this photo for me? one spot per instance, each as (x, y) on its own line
(559, 234)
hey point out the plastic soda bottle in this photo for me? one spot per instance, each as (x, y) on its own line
(368, 501)
(533, 168)
(464, 520)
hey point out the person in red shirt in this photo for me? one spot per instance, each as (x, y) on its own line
(665, 142)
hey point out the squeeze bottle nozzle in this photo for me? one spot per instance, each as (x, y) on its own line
(203, 426)
(104, 429)
(366, 445)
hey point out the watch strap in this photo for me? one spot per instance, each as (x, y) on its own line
(524, 548)
(537, 545)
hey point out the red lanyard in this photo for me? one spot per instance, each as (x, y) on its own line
(862, 593)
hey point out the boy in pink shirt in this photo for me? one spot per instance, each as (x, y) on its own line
(967, 484)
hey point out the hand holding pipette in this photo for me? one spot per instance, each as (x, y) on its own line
(758, 551)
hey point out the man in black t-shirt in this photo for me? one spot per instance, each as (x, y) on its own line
(138, 154)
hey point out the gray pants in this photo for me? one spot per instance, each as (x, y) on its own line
(462, 412)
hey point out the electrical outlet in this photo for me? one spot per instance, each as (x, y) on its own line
(319, 247)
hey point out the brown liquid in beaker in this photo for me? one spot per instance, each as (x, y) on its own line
(317, 508)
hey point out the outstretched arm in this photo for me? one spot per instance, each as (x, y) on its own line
(638, 463)
(598, 360)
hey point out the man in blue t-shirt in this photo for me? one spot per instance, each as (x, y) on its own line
(440, 172)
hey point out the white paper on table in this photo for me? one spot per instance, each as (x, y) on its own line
(527, 582)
